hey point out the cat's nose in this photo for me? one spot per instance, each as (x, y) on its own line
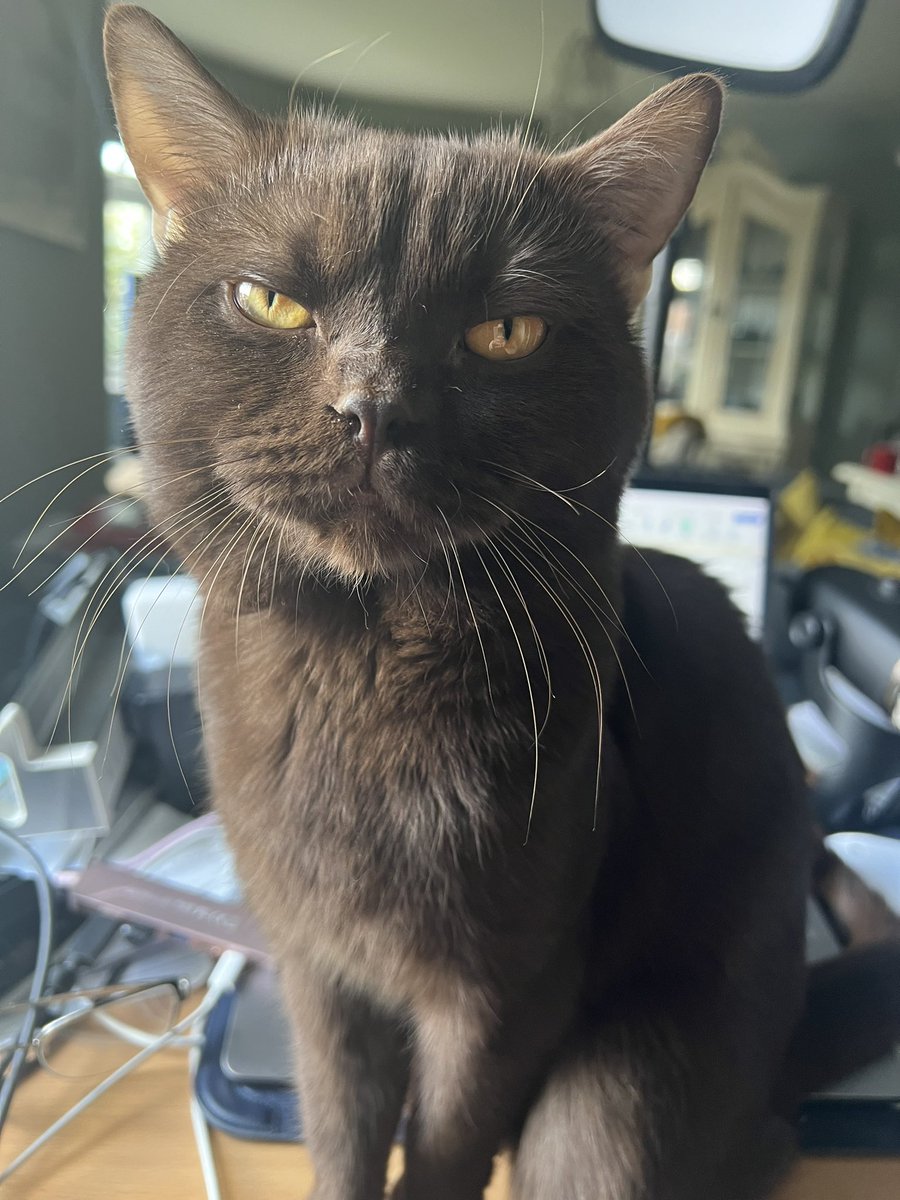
(374, 420)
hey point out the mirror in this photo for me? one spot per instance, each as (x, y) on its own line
(765, 45)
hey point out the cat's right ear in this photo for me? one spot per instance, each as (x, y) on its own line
(180, 127)
(639, 176)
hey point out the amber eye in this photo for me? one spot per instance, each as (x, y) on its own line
(511, 337)
(270, 308)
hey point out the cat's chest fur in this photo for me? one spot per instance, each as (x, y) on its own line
(377, 790)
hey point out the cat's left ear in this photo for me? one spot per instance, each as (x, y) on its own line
(639, 176)
(181, 129)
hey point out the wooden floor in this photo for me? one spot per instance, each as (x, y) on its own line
(135, 1143)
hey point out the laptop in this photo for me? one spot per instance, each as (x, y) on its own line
(723, 525)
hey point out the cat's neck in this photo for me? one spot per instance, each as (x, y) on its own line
(513, 604)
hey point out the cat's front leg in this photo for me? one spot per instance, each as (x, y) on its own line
(477, 1061)
(353, 1067)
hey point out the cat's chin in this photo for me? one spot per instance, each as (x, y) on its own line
(363, 548)
(364, 535)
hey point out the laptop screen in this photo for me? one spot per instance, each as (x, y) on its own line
(727, 532)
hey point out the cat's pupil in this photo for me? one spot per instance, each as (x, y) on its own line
(507, 328)
(270, 298)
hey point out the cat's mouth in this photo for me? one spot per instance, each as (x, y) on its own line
(363, 525)
(365, 532)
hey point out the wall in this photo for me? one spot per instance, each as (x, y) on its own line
(52, 407)
(268, 93)
(863, 394)
(51, 391)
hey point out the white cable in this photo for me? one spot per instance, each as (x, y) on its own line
(222, 979)
(130, 1033)
(201, 1132)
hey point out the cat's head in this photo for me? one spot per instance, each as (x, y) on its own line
(366, 344)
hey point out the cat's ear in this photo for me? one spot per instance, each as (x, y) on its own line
(639, 176)
(180, 127)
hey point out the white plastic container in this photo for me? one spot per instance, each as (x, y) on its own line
(161, 621)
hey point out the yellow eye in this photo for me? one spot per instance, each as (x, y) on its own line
(511, 337)
(270, 308)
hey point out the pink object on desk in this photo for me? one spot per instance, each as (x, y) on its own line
(158, 888)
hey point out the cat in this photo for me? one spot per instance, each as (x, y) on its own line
(515, 805)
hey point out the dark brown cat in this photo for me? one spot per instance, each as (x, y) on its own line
(516, 808)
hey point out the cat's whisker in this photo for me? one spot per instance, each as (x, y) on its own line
(527, 479)
(451, 585)
(532, 543)
(194, 514)
(414, 590)
(580, 506)
(255, 538)
(169, 679)
(534, 719)
(123, 668)
(183, 270)
(46, 509)
(72, 523)
(362, 54)
(315, 63)
(169, 682)
(616, 530)
(218, 566)
(68, 526)
(229, 516)
(620, 625)
(276, 564)
(531, 530)
(475, 625)
(573, 129)
(144, 547)
(262, 563)
(221, 560)
(525, 136)
(539, 645)
(586, 650)
(593, 479)
(100, 460)
(206, 287)
(97, 460)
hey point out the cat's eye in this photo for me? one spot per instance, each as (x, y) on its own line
(267, 307)
(507, 338)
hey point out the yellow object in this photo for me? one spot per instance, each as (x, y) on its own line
(827, 540)
(799, 502)
(810, 535)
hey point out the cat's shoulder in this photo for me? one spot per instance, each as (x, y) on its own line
(682, 623)
(675, 593)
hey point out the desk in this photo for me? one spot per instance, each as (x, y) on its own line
(136, 1143)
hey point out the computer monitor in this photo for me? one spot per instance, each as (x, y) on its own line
(725, 527)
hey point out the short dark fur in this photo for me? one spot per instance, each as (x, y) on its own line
(614, 994)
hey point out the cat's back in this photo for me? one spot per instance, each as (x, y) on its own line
(714, 858)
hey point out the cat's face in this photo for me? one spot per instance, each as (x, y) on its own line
(367, 344)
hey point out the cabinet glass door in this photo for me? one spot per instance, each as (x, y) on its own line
(755, 316)
(689, 280)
